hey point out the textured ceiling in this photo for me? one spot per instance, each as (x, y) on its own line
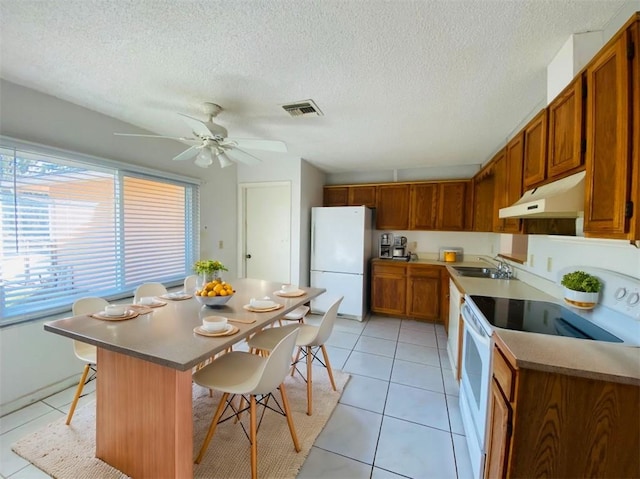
(402, 84)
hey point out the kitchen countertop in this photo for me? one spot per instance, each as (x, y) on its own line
(597, 360)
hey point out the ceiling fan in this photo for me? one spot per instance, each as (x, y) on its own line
(212, 142)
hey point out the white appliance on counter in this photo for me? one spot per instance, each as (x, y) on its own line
(340, 254)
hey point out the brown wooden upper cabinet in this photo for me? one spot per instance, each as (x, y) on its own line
(500, 188)
(392, 210)
(566, 131)
(612, 167)
(439, 205)
(452, 209)
(514, 160)
(350, 195)
(362, 195)
(424, 206)
(535, 150)
(335, 196)
(483, 199)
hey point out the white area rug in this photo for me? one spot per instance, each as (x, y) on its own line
(67, 452)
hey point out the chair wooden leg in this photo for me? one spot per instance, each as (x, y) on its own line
(295, 360)
(329, 370)
(287, 411)
(254, 443)
(79, 389)
(212, 427)
(309, 382)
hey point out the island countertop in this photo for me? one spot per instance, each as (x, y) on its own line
(165, 336)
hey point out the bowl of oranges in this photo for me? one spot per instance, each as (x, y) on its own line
(215, 293)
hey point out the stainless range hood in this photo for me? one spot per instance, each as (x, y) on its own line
(561, 199)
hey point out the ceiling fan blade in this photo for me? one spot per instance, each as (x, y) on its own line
(188, 154)
(266, 145)
(181, 138)
(241, 156)
(198, 127)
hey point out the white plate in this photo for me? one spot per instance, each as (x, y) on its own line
(126, 313)
(263, 304)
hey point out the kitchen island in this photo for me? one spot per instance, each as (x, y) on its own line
(144, 423)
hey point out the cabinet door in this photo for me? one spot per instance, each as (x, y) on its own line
(608, 155)
(423, 293)
(483, 200)
(499, 435)
(388, 289)
(566, 131)
(514, 160)
(392, 207)
(362, 195)
(335, 196)
(424, 206)
(500, 189)
(452, 206)
(535, 150)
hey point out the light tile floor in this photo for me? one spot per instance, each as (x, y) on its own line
(398, 416)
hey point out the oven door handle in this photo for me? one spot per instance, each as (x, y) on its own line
(479, 338)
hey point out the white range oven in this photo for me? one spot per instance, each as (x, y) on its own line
(616, 319)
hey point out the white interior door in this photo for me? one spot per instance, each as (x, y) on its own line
(267, 232)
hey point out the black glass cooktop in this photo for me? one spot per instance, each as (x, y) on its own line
(539, 317)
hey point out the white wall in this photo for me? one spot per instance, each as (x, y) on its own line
(312, 181)
(428, 243)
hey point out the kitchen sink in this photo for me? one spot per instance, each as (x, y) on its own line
(477, 272)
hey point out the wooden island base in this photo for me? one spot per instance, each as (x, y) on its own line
(144, 424)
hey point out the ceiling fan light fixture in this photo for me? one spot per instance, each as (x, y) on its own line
(224, 160)
(204, 158)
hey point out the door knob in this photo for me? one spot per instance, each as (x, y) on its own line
(248, 256)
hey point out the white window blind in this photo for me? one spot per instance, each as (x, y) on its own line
(72, 229)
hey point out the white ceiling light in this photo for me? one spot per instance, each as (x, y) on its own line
(224, 160)
(204, 158)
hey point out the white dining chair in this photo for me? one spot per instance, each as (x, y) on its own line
(310, 341)
(190, 283)
(297, 314)
(148, 289)
(246, 374)
(83, 351)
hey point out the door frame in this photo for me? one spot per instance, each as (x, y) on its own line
(242, 231)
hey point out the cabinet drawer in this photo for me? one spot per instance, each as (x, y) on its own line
(425, 271)
(503, 374)
(392, 268)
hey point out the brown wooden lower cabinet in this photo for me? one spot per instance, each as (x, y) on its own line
(546, 424)
(389, 288)
(416, 291)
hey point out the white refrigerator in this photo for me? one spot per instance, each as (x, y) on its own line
(340, 253)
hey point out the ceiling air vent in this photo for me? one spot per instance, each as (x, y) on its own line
(302, 108)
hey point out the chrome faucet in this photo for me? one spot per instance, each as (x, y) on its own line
(503, 270)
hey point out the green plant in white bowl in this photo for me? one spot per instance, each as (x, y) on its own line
(581, 289)
(208, 269)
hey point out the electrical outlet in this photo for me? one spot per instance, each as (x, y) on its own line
(220, 244)
(531, 260)
(549, 264)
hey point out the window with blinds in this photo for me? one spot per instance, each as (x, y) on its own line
(72, 229)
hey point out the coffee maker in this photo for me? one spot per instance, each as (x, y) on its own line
(385, 248)
(399, 247)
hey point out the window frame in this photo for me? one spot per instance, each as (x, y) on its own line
(120, 170)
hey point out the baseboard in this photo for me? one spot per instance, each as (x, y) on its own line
(38, 395)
